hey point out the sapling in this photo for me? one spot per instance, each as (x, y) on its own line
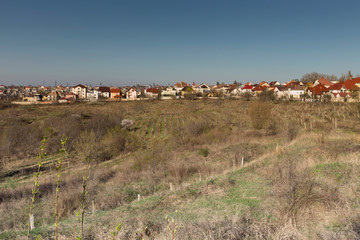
(35, 189)
(116, 231)
(83, 204)
(58, 182)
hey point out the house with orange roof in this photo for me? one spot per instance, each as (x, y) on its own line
(323, 81)
(259, 89)
(263, 83)
(341, 97)
(152, 92)
(115, 93)
(318, 90)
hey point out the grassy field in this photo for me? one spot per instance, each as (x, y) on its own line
(299, 177)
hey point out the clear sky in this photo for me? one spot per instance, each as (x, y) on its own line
(146, 41)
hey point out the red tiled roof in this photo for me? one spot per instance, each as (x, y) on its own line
(337, 86)
(263, 83)
(152, 90)
(115, 90)
(247, 87)
(292, 82)
(104, 89)
(259, 88)
(318, 89)
(342, 94)
(325, 82)
(350, 83)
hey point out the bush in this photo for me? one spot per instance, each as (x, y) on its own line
(259, 114)
(204, 152)
(292, 131)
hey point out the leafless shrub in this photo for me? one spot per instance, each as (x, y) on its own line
(232, 229)
(292, 131)
(127, 124)
(259, 114)
(297, 190)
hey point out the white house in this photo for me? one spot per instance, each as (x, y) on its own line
(131, 94)
(80, 90)
(295, 92)
(92, 95)
(280, 91)
(202, 88)
(104, 92)
(169, 91)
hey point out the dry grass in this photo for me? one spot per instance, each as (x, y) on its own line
(310, 166)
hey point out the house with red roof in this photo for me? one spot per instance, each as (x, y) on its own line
(323, 81)
(152, 92)
(70, 96)
(104, 92)
(259, 89)
(338, 87)
(247, 88)
(341, 97)
(115, 93)
(318, 90)
(263, 83)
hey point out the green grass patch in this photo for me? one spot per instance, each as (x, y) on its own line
(335, 170)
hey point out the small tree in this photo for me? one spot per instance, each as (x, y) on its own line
(35, 189)
(259, 114)
(87, 146)
(58, 181)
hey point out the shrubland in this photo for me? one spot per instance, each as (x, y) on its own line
(184, 169)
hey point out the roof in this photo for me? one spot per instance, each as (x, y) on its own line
(351, 83)
(318, 89)
(80, 85)
(325, 82)
(152, 90)
(115, 90)
(342, 94)
(296, 87)
(337, 86)
(292, 82)
(104, 89)
(247, 87)
(181, 85)
(281, 88)
(263, 83)
(259, 88)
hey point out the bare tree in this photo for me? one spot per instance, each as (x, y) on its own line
(311, 77)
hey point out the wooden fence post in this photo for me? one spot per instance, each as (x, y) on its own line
(92, 207)
(32, 222)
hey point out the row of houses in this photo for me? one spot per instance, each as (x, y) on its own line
(319, 90)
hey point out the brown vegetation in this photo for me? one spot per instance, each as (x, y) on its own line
(300, 167)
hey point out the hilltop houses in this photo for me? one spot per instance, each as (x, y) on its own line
(294, 90)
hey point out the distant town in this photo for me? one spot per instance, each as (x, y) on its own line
(318, 90)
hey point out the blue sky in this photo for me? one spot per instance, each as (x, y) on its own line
(129, 42)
